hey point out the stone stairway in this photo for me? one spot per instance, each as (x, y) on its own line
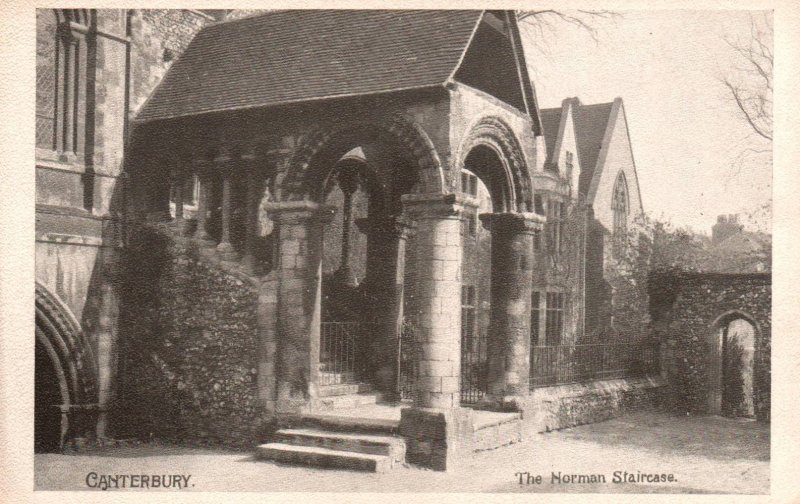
(322, 448)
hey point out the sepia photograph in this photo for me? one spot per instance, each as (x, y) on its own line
(498, 251)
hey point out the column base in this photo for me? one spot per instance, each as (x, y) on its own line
(437, 438)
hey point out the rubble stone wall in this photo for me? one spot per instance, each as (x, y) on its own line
(189, 347)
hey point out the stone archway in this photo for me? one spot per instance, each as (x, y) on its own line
(402, 160)
(493, 133)
(326, 144)
(66, 380)
(733, 338)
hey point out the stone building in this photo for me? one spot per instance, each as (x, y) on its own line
(589, 145)
(250, 226)
(94, 70)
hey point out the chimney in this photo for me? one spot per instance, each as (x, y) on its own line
(726, 226)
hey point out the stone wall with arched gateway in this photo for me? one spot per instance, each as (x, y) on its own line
(688, 310)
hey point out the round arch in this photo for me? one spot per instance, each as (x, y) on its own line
(715, 354)
(59, 333)
(322, 148)
(493, 133)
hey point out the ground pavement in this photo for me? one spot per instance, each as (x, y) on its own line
(703, 455)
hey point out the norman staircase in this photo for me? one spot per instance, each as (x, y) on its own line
(331, 437)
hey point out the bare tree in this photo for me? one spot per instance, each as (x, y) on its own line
(749, 83)
(546, 24)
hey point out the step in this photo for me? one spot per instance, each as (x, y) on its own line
(344, 389)
(349, 401)
(345, 424)
(492, 430)
(393, 447)
(323, 457)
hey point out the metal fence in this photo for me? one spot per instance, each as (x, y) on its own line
(339, 352)
(407, 370)
(555, 365)
(474, 368)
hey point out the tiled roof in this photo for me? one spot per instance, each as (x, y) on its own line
(591, 122)
(292, 56)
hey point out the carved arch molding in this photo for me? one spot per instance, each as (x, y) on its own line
(497, 134)
(303, 170)
(59, 332)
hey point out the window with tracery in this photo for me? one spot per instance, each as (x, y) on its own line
(61, 64)
(620, 208)
(46, 29)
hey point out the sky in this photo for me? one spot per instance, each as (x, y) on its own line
(688, 140)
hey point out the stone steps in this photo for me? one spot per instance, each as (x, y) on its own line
(340, 423)
(344, 389)
(323, 457)
(349, 401)
(495, 430)
(371, 444)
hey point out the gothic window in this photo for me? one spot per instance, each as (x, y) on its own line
(61, 65)
(569, 162)
(620, 207)
(46, 68)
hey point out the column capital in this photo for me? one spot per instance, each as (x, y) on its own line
(223, 162)
(298, 212)
(398, 226)
(513, 222)
(437, 206)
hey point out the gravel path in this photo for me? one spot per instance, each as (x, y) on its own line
(704, 455)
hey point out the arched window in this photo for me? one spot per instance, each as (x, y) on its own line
(46, 68)
(61, 78)
(620, 207)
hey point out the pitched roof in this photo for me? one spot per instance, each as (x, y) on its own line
(291, 56)
(551, 121)
(591, 122)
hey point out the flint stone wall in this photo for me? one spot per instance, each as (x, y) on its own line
(189, 360)
(685, 307)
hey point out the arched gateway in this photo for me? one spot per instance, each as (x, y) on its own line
(65, 377)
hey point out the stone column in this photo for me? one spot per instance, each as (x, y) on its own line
(202, 168)
(300, 232)
(436, 429)
(512, 280)
(178, 178)
(224, 164)
(387, 237)
(253, 181)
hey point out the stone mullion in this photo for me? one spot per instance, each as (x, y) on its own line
(512, 283)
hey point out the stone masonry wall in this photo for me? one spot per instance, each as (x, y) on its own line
(559, 407)
(685, 307)
(188, 347)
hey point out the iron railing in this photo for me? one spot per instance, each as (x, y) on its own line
(563, 364)
(339, 355)
(474, 368)
(408, 347)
